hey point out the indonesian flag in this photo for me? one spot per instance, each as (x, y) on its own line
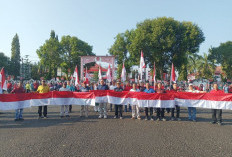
(86, 76)
(173, 75)
(75, 74)
(154, 73)
(123, 75)
(142, 65)
(108, 74)
(3, 79)
(99, 73)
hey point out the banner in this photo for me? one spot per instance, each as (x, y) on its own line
(167, 100)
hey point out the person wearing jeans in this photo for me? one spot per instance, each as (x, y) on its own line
(174, 90)
(102, 105)
(19, 111)
(216, 113)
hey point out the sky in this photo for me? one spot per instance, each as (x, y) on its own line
(97, 22)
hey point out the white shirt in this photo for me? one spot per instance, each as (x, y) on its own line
(64, 89)
(134, 90)
(112, 87)
(192, 91)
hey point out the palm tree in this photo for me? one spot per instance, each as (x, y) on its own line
(205, 67)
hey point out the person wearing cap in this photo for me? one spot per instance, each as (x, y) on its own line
(19, 111)
(64, 108)
(149, 90)
(43, 88)
(102, 105)
(135, 108)
(216, 113)
(118, 107)
(177, 107)
(84, 108)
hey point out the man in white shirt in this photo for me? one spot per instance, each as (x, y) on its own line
(62, 112)
(135, 108)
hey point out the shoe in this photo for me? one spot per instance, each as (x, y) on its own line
(178, 119)
(121, 118)
(138, 118)
(16, 120)
(40, 117)
(213, 122)
(45, 117)
(151, 119)
(219, 123)
(105, 117)
(133, 118)
(146, 118)
(158, 119)
(100, 117)
(115, 117)
(67, 116)
(194, 120)
(163, 119)
(21, 119)
(61, 116)
(172, 119)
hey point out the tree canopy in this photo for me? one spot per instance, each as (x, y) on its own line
(15, 56)
(162, 40)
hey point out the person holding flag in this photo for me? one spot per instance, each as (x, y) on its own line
(43, 88)
(19, 111)
(102, 105)
(149, 90)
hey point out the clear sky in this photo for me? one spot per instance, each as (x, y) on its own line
(98, 21)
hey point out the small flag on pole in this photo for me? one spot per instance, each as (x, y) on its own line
(154, 74)
(142, 65)
(3, 79)
(76, 76)
(99, 73)
(108, 74)
(173, 75)
(123, 74)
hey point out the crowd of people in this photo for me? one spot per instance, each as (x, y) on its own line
(136, 112)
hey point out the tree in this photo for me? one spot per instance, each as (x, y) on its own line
(15, 56)
(50, 55)
(205, 67)
(163, 41)
(222, 55)
(4, 62)
(72, 48)
(35, 71)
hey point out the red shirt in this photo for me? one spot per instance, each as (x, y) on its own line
(127, 88)
(216, 91)
(18, 90)
(35, 86)
(9, 85)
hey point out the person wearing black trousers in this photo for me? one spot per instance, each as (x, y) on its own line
(118, 107)
(149, 90)
(160, 111)
(174, 90)
(216, 113)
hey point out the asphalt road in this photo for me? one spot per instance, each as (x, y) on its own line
(110, 137)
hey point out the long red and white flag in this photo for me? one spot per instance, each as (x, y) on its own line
(3, 79)
(108, 74)
(142, 65)
(166, 100)
(86, 76)
(76, 76)
(154, 73)
(123, 74)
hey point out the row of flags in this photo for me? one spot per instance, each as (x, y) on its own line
(142, 66)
